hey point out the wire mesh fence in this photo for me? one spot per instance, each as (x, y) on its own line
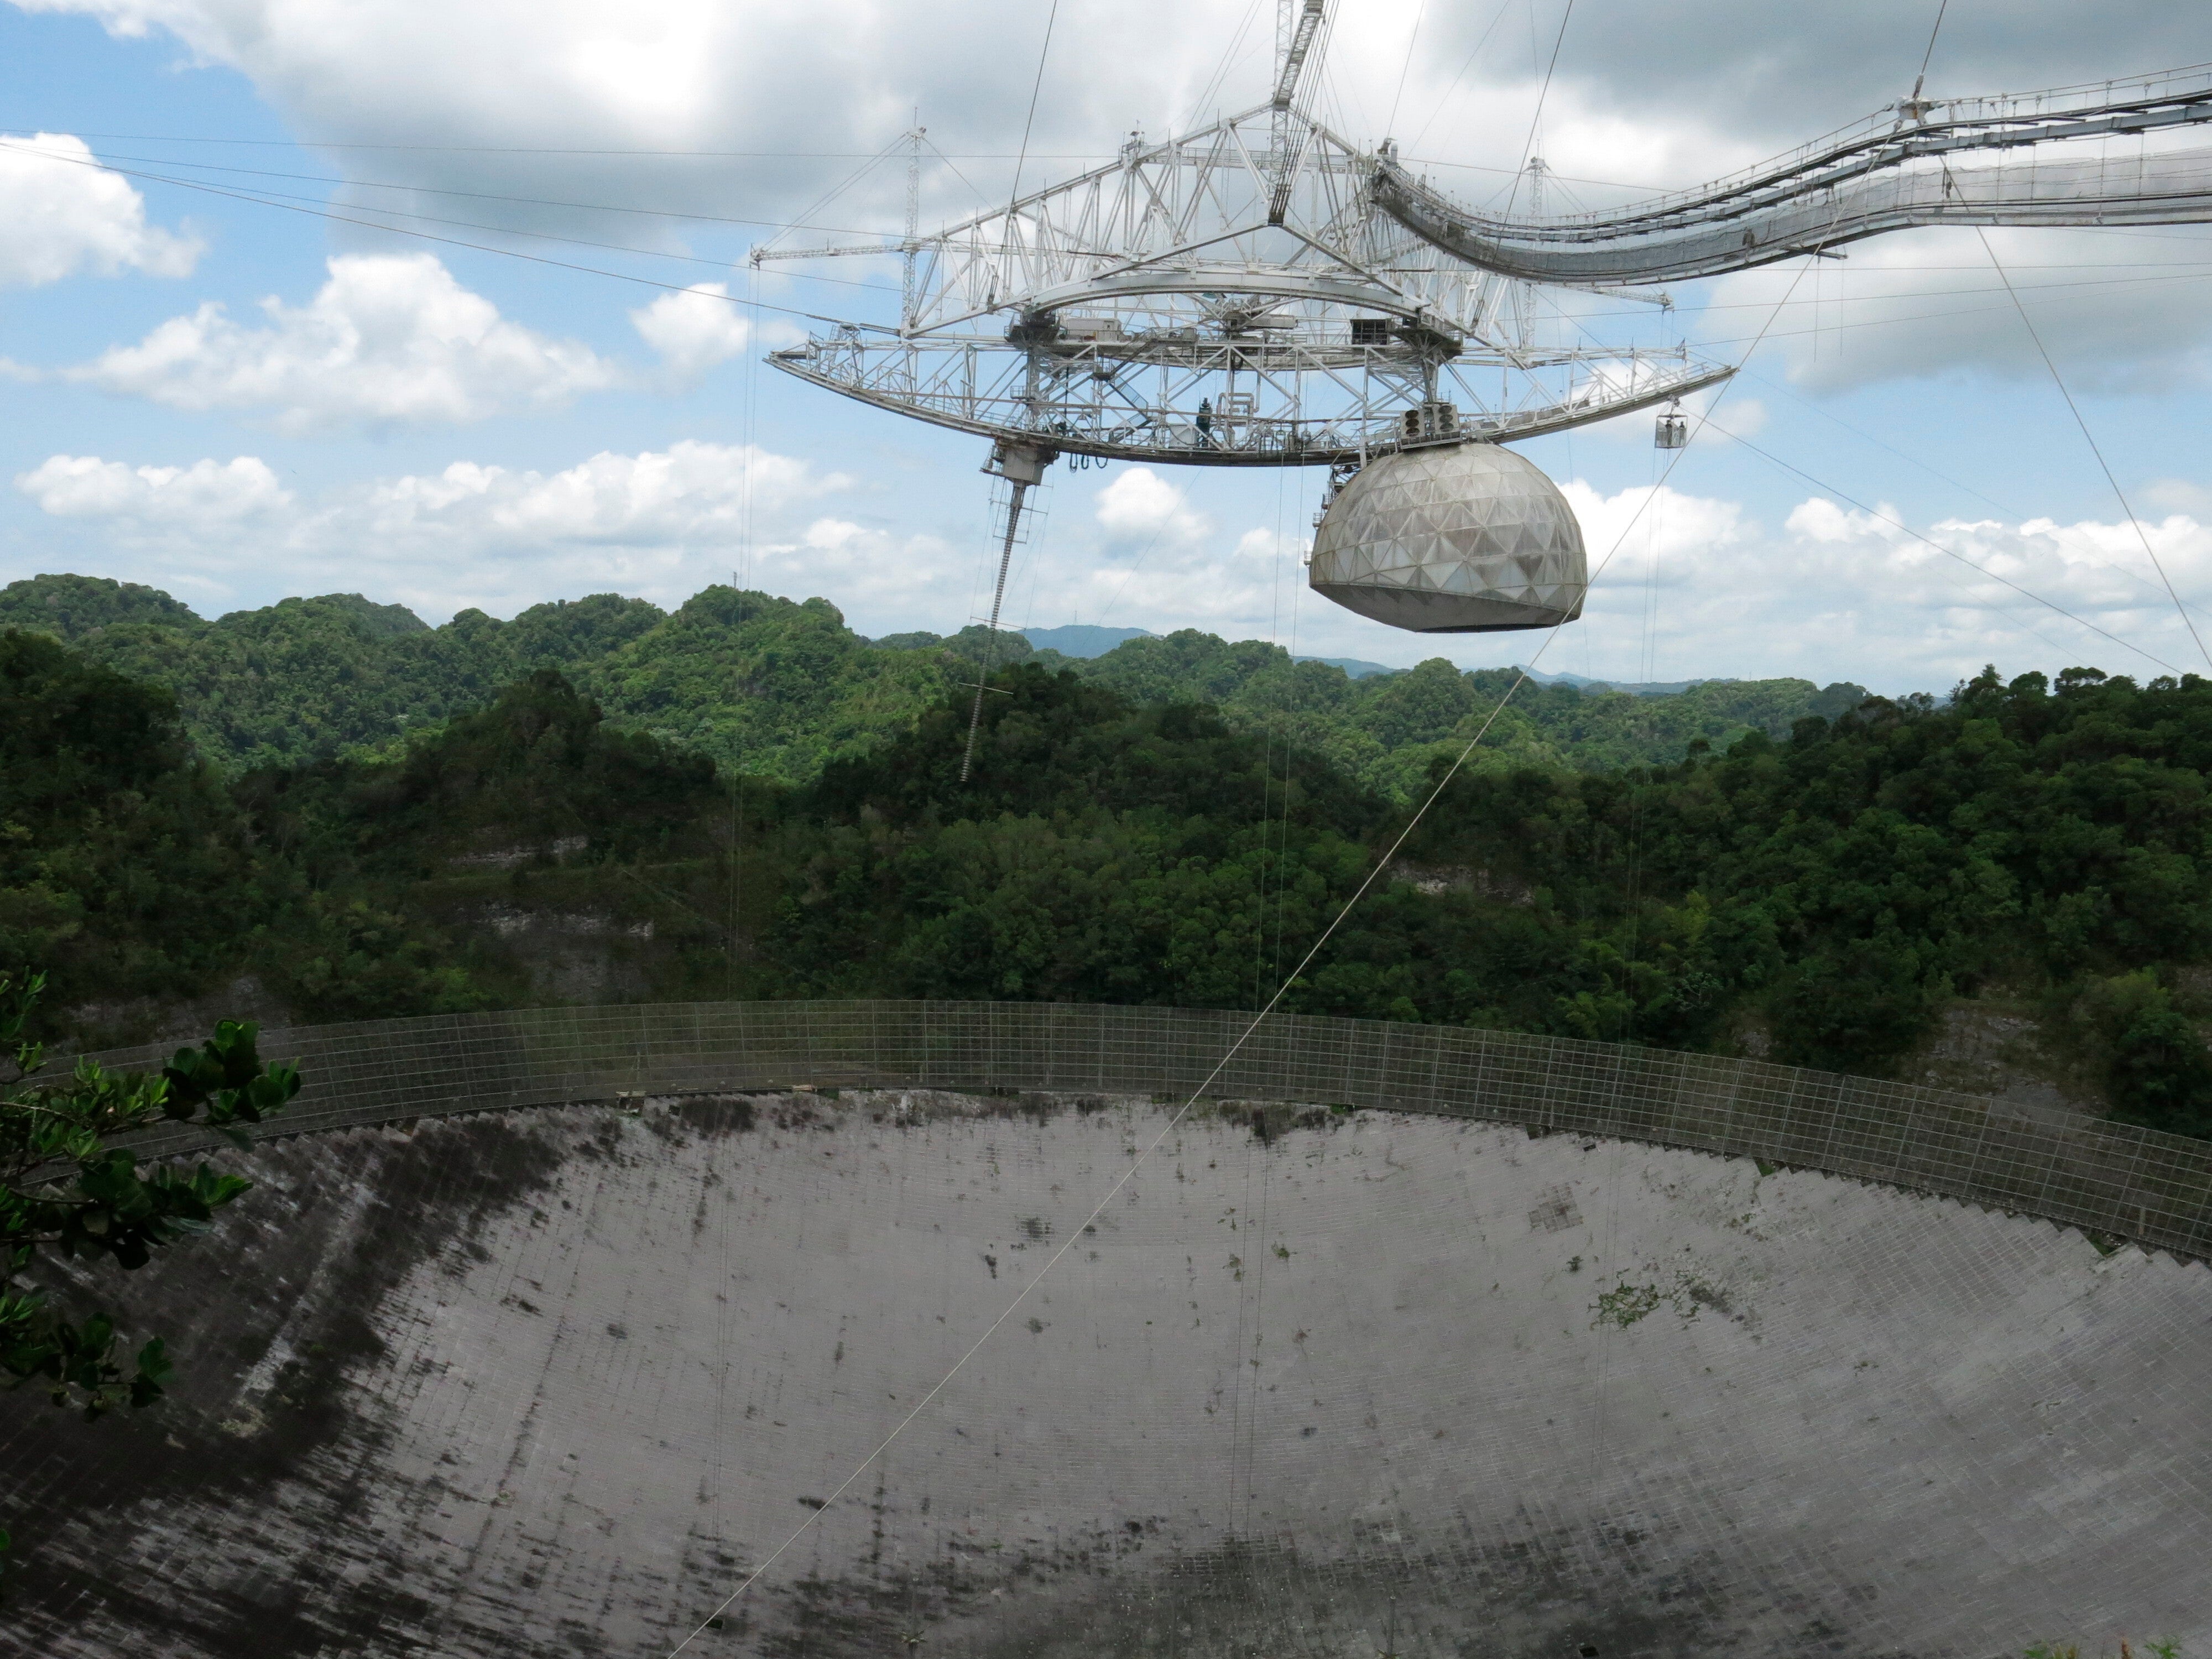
(2107, 1178)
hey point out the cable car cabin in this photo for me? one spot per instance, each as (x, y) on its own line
(1673, 431)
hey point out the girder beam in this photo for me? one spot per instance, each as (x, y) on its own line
(1268, 414)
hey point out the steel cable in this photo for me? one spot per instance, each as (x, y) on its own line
(427, 236)
(2090, 438)
(1949, 553)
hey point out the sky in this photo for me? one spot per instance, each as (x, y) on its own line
(224, 371)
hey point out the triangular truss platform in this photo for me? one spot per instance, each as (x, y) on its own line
(1231, 298)
(1263, 293)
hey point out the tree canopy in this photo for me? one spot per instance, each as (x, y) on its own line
(778, 689)
(1175, 822)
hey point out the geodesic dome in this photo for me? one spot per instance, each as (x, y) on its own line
(1471, 538)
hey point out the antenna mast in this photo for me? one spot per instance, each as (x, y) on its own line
(912, 246)
(1298, 25)
(1524, 293)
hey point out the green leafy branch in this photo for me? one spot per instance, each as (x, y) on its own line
(65, 1189)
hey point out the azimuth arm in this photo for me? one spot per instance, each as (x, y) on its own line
(1882, 175)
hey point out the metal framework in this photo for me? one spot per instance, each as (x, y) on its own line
(1229, 298)
(1896, 169)
(1263, 292)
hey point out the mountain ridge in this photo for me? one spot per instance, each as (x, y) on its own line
(780, 687)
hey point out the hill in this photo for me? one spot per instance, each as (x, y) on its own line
(774, 685)
(1082, 638)
(1642, 689)
(778, 688)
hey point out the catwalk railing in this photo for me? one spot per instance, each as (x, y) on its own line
(2106, 1178)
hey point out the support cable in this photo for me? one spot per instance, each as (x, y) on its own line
(1412, 41)
(1035, 87)
(1290, 734)
(2074, 409)
(1920, 80)
(1268, 757)
(1481, 40)
(827, 197)
(1230, 57)
(1543, 92)
(426, 236)
(1607, 1238)
(1880, 517)
(956, 174)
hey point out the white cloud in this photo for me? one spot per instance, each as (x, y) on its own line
(1644, 522)
(790, 95)
(206, 494)
(66, 214)
(2177, 495)
(693, 331)
(1844, 592)
(389, 339)
(691, 493)
(1137, 504)
(660, 523)
(1821, 520)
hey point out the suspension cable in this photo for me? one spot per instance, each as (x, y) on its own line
(2096, 449)
(1035, 87)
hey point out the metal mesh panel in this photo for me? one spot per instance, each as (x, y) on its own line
(2113, 1178)
(549, 1382)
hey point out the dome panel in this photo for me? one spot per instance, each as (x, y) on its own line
(1468, 540)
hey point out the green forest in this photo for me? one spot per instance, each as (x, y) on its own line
(776, 689)
(325, 810)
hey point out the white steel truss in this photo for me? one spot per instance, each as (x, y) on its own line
(1915, 163)
(1233, 297)
(1262, 292)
